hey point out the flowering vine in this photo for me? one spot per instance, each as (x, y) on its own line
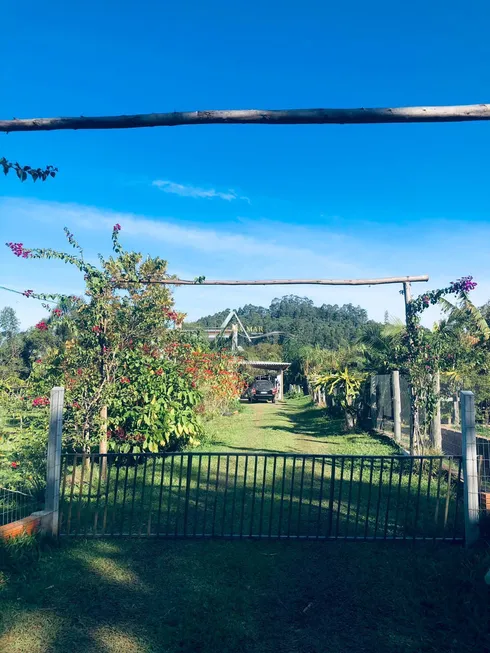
(421, 355)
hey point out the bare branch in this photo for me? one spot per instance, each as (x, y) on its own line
(458, 113)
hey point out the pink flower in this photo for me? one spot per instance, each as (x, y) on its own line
(40, 401)
(28, 293)
(117, 227)
(18, 250)
(38, 360)
(14, 465)
(96, 329)
(42, 326)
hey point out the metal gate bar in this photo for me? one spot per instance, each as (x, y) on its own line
(261, 495)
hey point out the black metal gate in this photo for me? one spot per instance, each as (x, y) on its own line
(261, 495)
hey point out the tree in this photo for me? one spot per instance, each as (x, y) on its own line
(121, 314)
(9, 342)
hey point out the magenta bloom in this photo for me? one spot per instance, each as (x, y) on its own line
(58, 312)
(117, 227)
(465, 284)
(28, 293)
(42, 326)
(19, 250)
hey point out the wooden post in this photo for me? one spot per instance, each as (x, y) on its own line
(103, 442)
(397, 406)
(470, 469)
(372, 402)
(234, 338)
(436, 434)
(53, 467)
(414, 416)
(456, 410)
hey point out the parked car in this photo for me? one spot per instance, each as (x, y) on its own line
(263, 388)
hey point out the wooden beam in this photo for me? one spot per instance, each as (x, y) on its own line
(277, 282)
(459, 113)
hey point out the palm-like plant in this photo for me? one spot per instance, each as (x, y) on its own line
(379, 345)
(346, 386)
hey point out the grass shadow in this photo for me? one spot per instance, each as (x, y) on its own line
(142, 595)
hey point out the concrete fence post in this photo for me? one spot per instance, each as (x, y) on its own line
(372, 402)
(397, 406)
(435, 427)
(470, 469)
(53, 470)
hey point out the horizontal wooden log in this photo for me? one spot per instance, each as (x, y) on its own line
(459, 113)
(277, 282)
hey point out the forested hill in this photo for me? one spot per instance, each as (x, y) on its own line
(328, 326)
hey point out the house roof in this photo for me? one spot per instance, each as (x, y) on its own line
(267, 365)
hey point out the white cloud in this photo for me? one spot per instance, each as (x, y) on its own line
(194, 191)
(241, 247)
(249, 249)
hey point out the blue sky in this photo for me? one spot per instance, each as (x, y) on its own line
(250, 201)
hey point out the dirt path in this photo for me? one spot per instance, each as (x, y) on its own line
(294, 426)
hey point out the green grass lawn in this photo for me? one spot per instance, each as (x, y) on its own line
(293, 426)
(263, 487)
(254, 597)
(284, 596)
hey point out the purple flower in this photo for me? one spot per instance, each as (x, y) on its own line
(19, 250)
(117, 227)
(465, 284)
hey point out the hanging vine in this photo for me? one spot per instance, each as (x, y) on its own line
(23, 172)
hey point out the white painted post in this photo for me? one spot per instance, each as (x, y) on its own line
(470, 469)
(53, 470)
(397, 406)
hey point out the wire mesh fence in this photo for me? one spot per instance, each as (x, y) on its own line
(381, 402)
(16, 504)
(262, 496)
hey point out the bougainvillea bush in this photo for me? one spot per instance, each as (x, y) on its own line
(422, 353)
(132, 379)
